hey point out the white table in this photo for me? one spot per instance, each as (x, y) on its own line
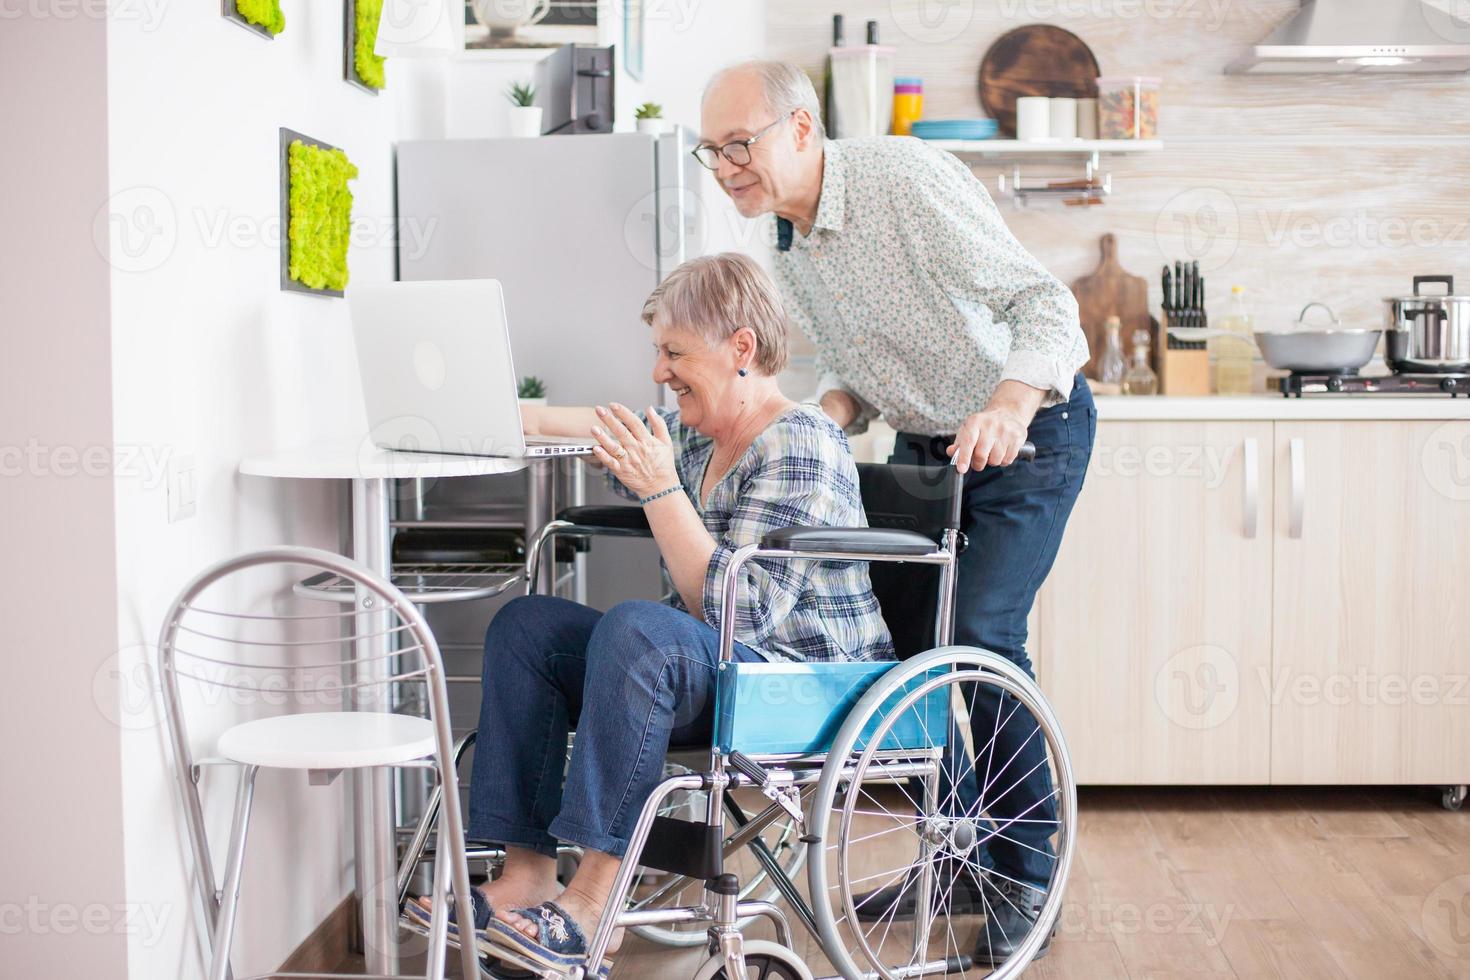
(370, 469)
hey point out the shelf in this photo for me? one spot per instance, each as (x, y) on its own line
(1045, 148)
(425, 583)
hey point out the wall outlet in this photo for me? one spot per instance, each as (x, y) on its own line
(181, 487)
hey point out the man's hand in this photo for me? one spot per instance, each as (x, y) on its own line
(994, 436)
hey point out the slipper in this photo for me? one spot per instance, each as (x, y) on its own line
(559, 942)
(483, 914)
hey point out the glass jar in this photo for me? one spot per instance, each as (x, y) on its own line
(1128, 107)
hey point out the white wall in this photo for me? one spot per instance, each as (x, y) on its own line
(170, 338)
(62, 897)
(211, 358)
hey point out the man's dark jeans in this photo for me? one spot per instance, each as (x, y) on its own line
(1014, 519)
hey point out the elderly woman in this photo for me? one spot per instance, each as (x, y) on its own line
(735, 459)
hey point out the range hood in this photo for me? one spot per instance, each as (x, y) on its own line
(1364, 37)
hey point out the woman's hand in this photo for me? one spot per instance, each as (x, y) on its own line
(642, 460)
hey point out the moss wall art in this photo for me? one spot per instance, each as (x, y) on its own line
(262, 16)
(318, 218)
(367, 67)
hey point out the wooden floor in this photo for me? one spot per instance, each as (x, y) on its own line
(1299, 883)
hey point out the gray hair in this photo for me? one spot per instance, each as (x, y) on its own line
(786, 86)
(716, 295)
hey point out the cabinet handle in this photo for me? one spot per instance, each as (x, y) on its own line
(1252, 505)
(1298, 503)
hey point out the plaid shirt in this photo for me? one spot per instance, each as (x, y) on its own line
(799, 471)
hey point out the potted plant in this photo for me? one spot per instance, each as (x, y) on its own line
(650, 116)
(531, 391)
(525, 114)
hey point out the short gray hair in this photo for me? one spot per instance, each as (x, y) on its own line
(716, 295)
(786, 86)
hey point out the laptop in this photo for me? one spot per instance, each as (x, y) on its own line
(437, 374)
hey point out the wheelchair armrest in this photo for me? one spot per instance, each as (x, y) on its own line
(617, 519)
(850, 540)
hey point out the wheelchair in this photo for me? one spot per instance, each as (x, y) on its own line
(855, 768)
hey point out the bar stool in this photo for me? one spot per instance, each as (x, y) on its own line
(273, 655)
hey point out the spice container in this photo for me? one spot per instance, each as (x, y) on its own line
(1128, 108)
(908, 104)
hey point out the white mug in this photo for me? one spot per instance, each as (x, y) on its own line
(1033, 117)
(507, 16)
(1063, 118)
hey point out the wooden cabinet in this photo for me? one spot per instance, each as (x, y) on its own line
(1370, 680)
(1331, 645)
(1155, 623)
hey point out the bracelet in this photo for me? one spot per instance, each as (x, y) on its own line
(662, 493)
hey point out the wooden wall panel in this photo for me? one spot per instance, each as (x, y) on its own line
(1317, 187)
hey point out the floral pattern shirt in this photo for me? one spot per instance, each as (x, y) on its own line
(917, 296)
(798, 472)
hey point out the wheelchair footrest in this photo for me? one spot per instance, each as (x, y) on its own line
(685, 847)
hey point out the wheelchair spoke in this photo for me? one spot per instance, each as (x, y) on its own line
(1019, 749)
(876, 833)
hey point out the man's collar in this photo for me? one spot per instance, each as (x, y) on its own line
(831, 205)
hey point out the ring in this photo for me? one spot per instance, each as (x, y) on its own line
(622, 452)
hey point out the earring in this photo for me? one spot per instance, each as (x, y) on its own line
(742, 372)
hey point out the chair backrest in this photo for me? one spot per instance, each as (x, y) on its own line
(925, 499)
(294, 629)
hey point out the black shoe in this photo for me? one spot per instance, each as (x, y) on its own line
(954, 879)
(1011, 915)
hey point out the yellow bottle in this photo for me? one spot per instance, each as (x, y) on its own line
(1234, 355)
(908, 104)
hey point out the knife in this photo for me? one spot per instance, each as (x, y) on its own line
(1178, 285)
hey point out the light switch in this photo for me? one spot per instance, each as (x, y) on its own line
(181, 490)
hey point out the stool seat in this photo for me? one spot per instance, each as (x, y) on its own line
(329, 740)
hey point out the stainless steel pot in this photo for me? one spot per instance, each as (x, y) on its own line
(1428, 334)
(1310, 349)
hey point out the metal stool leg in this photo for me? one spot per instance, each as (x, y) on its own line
(224, 928)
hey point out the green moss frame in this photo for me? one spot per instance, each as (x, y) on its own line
(360, 64)
(316, 215)
(262, 17)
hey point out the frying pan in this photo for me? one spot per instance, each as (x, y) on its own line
(1306, 349)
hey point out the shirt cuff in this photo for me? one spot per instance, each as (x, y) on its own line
(831, 381)
(1039, 371)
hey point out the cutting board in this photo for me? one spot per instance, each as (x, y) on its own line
(1112, 291)
(1038, 59)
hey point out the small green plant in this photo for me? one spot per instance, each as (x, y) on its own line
(649, 110)
(369, 66)
(320, 206)
(531, 387)
(521, 94)
(262, 13)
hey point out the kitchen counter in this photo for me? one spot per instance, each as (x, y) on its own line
(1273, 407)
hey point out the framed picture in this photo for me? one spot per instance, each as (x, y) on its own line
(316, 215)
(262, 18)
(361, 66)
(633, 12)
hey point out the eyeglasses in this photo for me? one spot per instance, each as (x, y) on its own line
(736, 151)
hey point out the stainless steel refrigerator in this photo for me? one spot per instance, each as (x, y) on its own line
(578, 229)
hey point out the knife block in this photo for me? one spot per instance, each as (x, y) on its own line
(1184, 366)
(1185, 372)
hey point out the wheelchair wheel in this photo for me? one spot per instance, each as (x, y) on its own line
(764, 960)
(652, 889)
(891, 835)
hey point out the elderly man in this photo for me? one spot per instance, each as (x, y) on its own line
(925, 310)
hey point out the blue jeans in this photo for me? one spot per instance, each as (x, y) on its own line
(629, 682)
(1014, 519)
